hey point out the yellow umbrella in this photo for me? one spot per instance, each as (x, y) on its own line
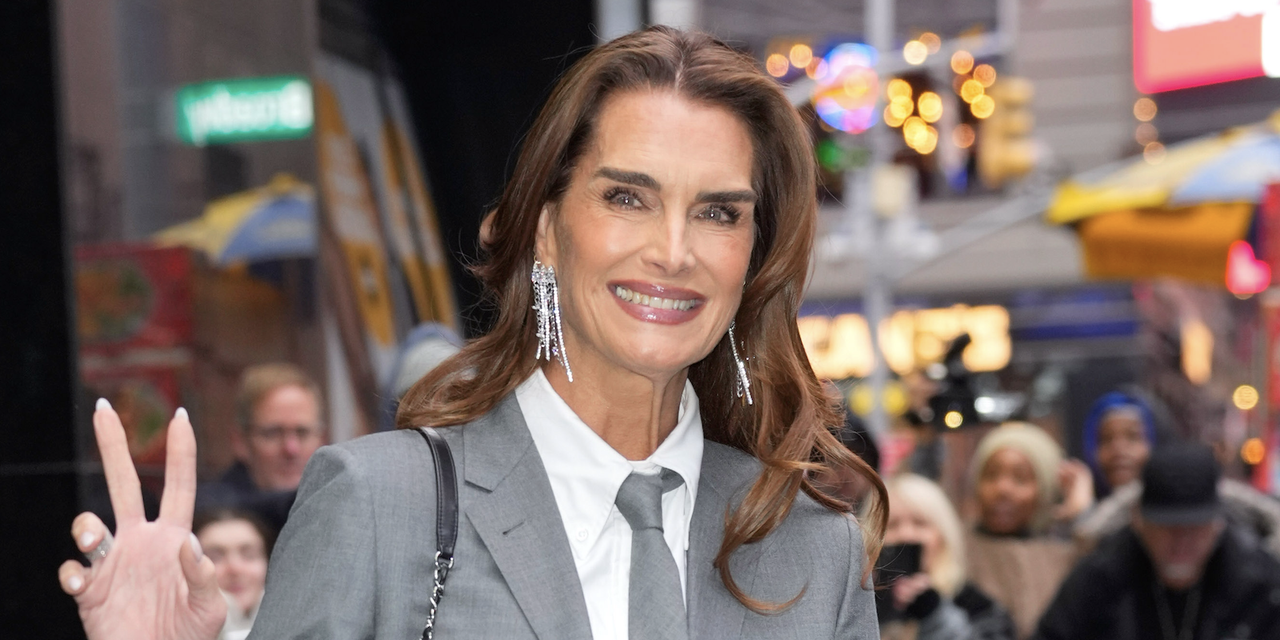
(1175, 216)
(271, 222)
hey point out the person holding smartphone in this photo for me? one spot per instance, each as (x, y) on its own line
(922, 590)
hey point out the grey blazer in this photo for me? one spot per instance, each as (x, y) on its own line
(355, 559)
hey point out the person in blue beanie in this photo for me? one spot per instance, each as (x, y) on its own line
(1119, 434)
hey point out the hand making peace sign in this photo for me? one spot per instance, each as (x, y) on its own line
(151, 581)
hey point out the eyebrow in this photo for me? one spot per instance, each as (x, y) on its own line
(646, 181)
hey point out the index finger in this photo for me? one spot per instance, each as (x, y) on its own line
(178, 501)
(117, 465)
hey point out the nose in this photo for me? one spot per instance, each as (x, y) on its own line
(670, 249)
(291, 445)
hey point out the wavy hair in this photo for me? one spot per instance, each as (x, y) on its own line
(792, 420)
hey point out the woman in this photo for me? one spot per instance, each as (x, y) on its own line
(1118, 434)
(660, 219)
(938, 602)
(239, 545)
(1019, 476)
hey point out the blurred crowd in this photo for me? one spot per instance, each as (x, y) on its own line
(1143, 538)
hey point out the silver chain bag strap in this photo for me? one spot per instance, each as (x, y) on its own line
(446, 522)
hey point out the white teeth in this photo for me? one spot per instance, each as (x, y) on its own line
(628, 295)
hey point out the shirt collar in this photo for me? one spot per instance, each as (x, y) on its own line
(585, 472)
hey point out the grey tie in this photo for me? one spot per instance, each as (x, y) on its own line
(655, 606)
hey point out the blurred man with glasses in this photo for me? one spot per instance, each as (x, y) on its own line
(278, 407)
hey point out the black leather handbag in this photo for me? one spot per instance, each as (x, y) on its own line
(446, 521)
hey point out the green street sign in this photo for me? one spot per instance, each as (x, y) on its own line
(244, 110)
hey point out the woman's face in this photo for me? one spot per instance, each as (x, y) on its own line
(239, 558)
(907, 525)
(1122, 448)
(652, 239)
(1007, 492)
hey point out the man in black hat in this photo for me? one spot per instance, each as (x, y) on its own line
(1178, 572)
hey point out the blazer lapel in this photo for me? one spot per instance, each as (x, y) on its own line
(713, 611)
(510, 504)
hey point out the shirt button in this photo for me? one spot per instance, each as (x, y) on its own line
(582, 535)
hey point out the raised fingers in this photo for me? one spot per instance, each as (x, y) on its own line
(122, 477)
(91, 536)
(72, 577)
(179, 472)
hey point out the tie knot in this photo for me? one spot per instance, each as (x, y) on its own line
(640, 498)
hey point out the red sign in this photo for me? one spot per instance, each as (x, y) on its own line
(132, 296)
(1179, 44)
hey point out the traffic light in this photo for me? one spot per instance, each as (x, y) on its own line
(1005, 148)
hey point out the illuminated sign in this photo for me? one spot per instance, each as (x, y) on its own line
(277, 108)
(848, 87)
(1182, 43)
(840, 347)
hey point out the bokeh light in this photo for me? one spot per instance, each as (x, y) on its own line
(953, 419)
(932, 41)
(972, 90)
(912, 129)
(898, 88)
(1146, 133)
(985, 74)
(801, 56)
(816, 67)
(915, 52)
(1253, 451)
(1245, 397)
(901, 108)
(894, 117)
(963, 136)
(927, 141)
(847, 88)
(983, 107)
(777, 65)
(961, 62)
(1144, 109)
(930, 106)
(1153, 153)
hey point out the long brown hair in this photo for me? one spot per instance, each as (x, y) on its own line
(792, 419)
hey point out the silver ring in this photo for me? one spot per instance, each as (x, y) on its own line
(99, 552)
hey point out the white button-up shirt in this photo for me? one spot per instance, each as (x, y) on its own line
(586, 473)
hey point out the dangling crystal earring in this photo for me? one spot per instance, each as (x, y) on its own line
(546, 301)
(744, 383)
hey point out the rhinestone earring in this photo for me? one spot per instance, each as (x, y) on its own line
(546, 302)
(743, 386)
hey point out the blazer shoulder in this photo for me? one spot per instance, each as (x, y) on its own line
(386, 457)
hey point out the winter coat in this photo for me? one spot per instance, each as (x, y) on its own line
(1112, 595)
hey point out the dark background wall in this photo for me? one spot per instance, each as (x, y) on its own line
(476, 74)
(38, 480)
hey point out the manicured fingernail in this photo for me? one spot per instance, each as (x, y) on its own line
(102, 404)
(75, 582)
(182, 413)
(196, 548)
(86, 540)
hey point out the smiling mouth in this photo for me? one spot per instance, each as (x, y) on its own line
(653, 302)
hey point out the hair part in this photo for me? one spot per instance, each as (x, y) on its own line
(792, 418)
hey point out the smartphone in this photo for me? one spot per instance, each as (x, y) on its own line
(897, 560)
